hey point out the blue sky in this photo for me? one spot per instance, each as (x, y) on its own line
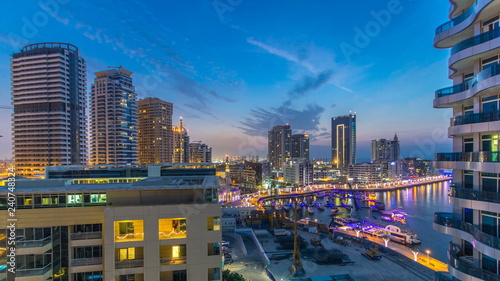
(235, 68)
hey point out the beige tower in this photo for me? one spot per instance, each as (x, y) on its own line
(156, 138)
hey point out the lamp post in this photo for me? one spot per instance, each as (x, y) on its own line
(428, 256)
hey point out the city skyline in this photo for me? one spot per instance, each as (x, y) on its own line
(247, 79)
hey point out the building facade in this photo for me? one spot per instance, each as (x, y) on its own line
(117, 229)
(343, 141)
(279, 149)
(113, 118)
(299, 171)
(181, 144)
(300, 146)
(199, 153)
(49, 123)
(366, 173)
(472, 34)
(385, 150)
(156, 137)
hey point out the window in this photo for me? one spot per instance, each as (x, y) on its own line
(489, 223)
(468, 179)
(489, 104)
(176, 275)
(489, 264)
(490, 142)
(214, 274)
(468, 80)
(129, 257)
(468, 215)
(172, 228)
(75, 199)
(469, 145)
(173, 254)
(489, 182)
(468, 110)
(489, 62)
(130, 277)
(85, 276)
(490, 24)
(213, 223)
(214, 249)
(129, 230)
(87, 252)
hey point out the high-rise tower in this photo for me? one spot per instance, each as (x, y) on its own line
(279, 146)
(156, 138)
(113, 118)
(181, 143)
(385, 150)
(474, 66)
(343, 141)
(49, 98)
(300, 146)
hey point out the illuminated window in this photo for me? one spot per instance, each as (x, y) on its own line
(213, 249)
(172, 228)
(74, 199)
(129, 230)
(173, 254)
(213, 223)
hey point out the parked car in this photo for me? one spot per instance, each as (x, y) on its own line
(228, 261)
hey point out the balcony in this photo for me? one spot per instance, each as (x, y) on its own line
(475, 118)
(476, 40)
(24, 272)
(471, 194)
(456, 261)
(85, 262)
(86, 235)
(456, 20)
(446, 219)
(129, 264)
(481, 156)
(458, 88)
(169, 261)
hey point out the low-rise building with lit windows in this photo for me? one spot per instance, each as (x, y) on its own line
(130, 229)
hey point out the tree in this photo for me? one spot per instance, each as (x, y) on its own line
(227, 275)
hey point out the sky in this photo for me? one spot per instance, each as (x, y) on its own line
(235, 68)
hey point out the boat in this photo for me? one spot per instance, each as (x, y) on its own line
(334, 210)
(379, 205)
(311, 210)
(399, 235)
(319, 207)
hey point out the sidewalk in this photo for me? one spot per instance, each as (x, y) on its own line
(422, 258)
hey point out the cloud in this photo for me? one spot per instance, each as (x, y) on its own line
(284, 54)
(308, 84)
(262, 120)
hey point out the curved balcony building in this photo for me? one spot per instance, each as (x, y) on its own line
(473, 35)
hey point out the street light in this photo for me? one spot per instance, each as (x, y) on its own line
(428, 252)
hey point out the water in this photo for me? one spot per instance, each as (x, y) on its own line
(419, 202)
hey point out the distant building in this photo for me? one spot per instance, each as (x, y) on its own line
(113, 118)
(245, 174)
(181, 144)
(385, 150)
(199, 153)
(299, 171)
(279, 146)
(411, 168)
(366, 173)
(156, 137)
(300, 146)
(343, 141)
(49, 95)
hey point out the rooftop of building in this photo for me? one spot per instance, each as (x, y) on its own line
(42, 186)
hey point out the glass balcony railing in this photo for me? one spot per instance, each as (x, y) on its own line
(129, 264)
(446, 219)
(481, 156)
(87, 261)
(471, 194)
(476, 40)
(22, 243)
(456, 20)
(25, 272)
(178, 260)
(455, 89)
(86, 235)
(466, 267)
(475, 118)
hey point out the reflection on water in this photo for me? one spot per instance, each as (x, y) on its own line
(420, 203)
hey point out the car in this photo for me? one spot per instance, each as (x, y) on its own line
(225, 243)
(228, 261)
(226, 251)
(228, 256)
(225, 248)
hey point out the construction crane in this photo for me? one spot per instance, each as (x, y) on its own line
(297, 269)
